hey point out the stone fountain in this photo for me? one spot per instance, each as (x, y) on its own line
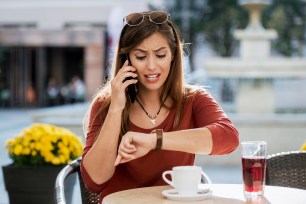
(255, 69)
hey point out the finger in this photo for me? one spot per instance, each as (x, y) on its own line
(127, 68)
(128, 76)
(122, 77)
(125, 146)
(125, 149)
(123, 160)
(128, 143)
(129, 82)
(121, 83)
(118, 159)
(126, 155)
(126, 63)
(128, 150)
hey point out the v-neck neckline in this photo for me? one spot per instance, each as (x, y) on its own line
(160, 126)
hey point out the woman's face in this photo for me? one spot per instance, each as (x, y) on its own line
(152, 59)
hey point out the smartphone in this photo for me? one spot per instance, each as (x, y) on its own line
(132, 89)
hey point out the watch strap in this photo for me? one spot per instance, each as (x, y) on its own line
(159, 139)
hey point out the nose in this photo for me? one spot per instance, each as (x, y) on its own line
(151, 65)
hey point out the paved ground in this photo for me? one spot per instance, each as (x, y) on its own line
(12, 121)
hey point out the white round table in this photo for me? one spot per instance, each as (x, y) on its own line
(221, 194)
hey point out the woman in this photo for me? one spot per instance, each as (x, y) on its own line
(128, 144)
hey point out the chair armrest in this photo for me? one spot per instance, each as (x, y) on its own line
(69, 169)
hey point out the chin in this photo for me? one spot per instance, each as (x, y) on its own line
(151, 87)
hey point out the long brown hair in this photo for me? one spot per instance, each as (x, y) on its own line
(130, 37)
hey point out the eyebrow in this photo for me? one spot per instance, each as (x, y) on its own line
(141, 50)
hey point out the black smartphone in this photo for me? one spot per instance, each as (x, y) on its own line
(132, 89)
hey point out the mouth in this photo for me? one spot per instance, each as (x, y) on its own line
(153, 76)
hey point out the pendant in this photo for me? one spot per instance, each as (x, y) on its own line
(153, 121)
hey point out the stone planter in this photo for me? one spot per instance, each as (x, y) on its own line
(33, 185)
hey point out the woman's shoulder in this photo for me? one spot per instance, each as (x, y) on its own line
(198, 97)
(99, 100)
(195, 91)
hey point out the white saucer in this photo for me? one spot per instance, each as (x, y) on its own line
(172, 194)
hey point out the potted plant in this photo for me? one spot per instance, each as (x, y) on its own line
(39, 152)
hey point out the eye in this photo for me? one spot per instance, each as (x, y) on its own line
(161, 56)
(140, 57)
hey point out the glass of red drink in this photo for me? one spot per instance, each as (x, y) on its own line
(253, 167)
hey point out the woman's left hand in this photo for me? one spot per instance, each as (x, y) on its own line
(134, 145)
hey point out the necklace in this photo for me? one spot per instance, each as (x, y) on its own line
(152, 117)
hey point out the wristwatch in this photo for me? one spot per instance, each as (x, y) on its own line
(159, 139)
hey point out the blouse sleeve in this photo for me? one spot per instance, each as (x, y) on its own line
(207, 113)
(94, 127)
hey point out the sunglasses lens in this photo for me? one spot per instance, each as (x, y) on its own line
(159, 17)
(134, 19)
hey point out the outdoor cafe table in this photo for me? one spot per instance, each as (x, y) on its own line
(221, 194)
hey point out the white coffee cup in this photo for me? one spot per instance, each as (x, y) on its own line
(185, 179)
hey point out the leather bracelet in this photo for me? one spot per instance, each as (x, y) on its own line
(159, 139)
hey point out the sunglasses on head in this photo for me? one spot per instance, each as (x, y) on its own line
(157, 17)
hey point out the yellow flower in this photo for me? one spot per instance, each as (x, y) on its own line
(32, 145)
(26, 151)
(34, 153)
(18, 149)
(38, 146)
(62, 159)
(303, 147)
(44, 144)
(10, 142)
(65, 151)
(56, 161)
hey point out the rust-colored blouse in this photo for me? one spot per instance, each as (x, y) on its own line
(200, 110)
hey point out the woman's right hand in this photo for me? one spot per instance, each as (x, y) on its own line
(119, 85)
(134, 145)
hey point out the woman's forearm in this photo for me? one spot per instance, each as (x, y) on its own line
(197, 141)
(214, 139)
(99, 161)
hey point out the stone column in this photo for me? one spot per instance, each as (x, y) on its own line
(57, 65)
(94, 69)
(41, 59)
(255, 96)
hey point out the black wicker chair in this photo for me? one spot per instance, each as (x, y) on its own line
(70, 169)
(287, 169)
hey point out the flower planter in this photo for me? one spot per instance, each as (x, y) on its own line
(34, 185)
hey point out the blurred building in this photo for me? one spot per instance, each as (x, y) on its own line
(44, 40)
